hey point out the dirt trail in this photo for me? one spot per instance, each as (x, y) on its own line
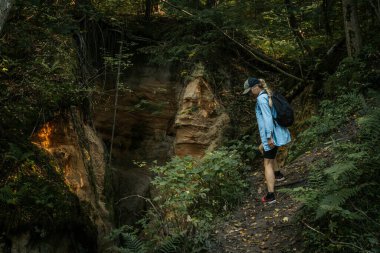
(254, 227)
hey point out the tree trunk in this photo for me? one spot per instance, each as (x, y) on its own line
(210, 3)
(326, 9)
(351, 26)
(148, 9)
(5, 7)
(293, 24)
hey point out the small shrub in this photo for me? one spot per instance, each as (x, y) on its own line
(190, 194)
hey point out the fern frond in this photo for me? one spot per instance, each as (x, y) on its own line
(131, 244)
(334, 201)
(171, 244)
(339, 170)
(317, 178)
(369, 127)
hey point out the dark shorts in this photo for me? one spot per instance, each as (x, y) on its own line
(271, 154)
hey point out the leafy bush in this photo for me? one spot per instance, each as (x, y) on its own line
(190, 194)
(245, 148)
(38, 64)
(355, 73)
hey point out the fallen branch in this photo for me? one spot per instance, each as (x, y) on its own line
(365, 215)
(333, 241)
(291, 183)
(246, 48)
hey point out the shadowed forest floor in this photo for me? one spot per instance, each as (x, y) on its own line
(255, 227)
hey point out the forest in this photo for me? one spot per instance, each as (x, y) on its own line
(123, 127)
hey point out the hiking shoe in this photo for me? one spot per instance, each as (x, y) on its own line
(269, 198)
(279, 176)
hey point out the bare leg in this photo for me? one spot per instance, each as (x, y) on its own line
(269, 173)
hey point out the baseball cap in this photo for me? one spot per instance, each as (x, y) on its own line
(249, 83)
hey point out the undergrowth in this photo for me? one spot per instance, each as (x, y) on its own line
(333, 114)
(34, 197)
(340, 201)
(190, 194)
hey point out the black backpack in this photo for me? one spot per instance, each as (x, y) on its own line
(285, 114)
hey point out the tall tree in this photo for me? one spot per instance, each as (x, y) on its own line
(211, 3)
(148, 9)
(352, 28)
(294, 26)
(326, 9)
(5, 7)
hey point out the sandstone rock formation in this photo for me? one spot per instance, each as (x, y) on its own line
(143, 133)
(80, 154)
(144, 121)
(156, 119)
(200, 120)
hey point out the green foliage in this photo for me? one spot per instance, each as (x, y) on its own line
(38, 66)
(333, 114)
(263, 26)
(353, 74)
(33, 193)
(171, 244)
(244, 147)
(341, 198)
(190, 194)
(212, 183)
(116, 10)
(127, 241)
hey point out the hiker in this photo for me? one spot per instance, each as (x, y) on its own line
(271, 133)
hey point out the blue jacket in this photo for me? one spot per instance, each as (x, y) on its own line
(267, 126)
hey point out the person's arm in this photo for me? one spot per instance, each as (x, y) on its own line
(261, 149)
(268, 120)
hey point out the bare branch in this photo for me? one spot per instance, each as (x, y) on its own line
(365, 215)
(376, 9)
(350, 245)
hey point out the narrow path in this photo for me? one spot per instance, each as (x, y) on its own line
(254, 227)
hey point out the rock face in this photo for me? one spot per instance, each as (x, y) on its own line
(200, 120)
(80, 154)
(144, 120)
(156, 119)
(143, 133)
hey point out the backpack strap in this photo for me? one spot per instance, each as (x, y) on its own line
(265, 92)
